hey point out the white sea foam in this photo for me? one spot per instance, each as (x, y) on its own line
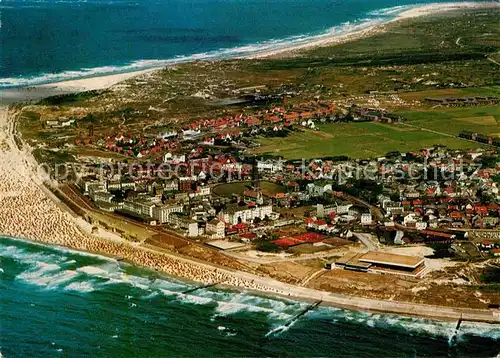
(229, 308)
(168, 293)
(392, 11)
(479, 330)
(47, 275)
(281, 329)
(83, 286)
(28, 257)
(19, 253)
(150, 296)
(92, 271)
(170, 285)
(197, 300)
(420, 326)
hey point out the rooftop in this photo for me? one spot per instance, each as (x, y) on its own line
(391, 259)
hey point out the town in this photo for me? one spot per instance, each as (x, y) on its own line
(202, 182)
(320, 171)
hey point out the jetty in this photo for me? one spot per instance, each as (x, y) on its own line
(453, 339)
(303, 312)
(200, 287)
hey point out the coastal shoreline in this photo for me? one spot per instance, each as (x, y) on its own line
(26, 93)
(44, 221)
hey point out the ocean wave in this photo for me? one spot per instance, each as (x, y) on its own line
(281, 328)
(484, 330)
(223, 53)
(92, 271)
(197, 300)
(56, 252)
(393, 11)
(28, 257)
(244, 302)
(50, 271)
(429, 327)
(83, 287)
(48, 276)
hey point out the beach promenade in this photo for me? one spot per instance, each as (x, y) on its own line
(28, 211)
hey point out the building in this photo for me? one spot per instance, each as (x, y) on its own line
(366, 219)
(270, 166)
(383, 263)
(184, 222)
(103, 197)
(325, 210)
(201, 191)
(60, 123)
(140, 207)
(237, 214)
(174, 158)
(161, 213)
(215, 229)
(171, 185)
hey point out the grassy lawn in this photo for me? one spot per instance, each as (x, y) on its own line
(485, 120)
(356, 140)
(227, 190)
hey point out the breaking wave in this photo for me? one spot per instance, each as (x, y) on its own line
(373, 19)
(52, 269)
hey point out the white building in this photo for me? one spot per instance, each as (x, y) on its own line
(366, 219)
(193, 229)
(270, 166)
(141, 207)
(215, 229)
(318, 190)
(421, 225)
(161, 213)
(322, 210)
(174, 158)
(191, 226)
(245, 214)
(103, 196)
(201, 191)
(171, 185)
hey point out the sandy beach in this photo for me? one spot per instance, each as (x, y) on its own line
(423, 10)
(29, 211)
(12, 95)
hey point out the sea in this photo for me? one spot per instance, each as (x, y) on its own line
(44, 41)
(57, 302)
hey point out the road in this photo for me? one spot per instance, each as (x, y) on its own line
(273, 259)
(375, 211)
(368, 240)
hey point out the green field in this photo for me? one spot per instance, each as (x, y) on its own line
(485, 120)
(227, 190)
(358, 140)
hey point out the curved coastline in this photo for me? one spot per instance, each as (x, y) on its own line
(29, 211)
(342, 33)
